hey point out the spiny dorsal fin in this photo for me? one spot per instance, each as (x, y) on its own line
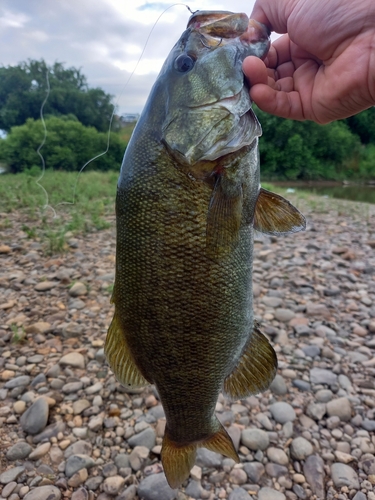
(255, 370)
(223, 221)
(276, 215)
(119, 357)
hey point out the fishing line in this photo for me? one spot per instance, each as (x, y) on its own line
(117, 101)
(37, 182)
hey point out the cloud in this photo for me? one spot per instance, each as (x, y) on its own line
(104, 38)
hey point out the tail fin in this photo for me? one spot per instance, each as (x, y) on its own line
(179, 459)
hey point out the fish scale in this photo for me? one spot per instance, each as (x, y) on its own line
(187, 203)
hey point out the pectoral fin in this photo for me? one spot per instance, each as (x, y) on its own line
(276, 215)
(255, 370)
(119, 357)
(223, 220)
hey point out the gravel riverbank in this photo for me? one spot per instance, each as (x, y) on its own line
(69, 430)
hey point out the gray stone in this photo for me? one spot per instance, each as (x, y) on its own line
(277, 455)
(324, 395)
(8, 489)
(94, 482)
(74, 359)
(369, 425)
(78, 448)
(270, 494)
(279, 386)
(208, 458)
(284, 315)
(35, 418)
(359, 496)
(80, 405)
(343, 475)
(239, 494)
(155, 487)
(194, 489)
(80, 494)
(47, 492)
(11, 474)
(77, 462)
(316, 410)
(311, 350)
(128, 494)
(282, 412)
(255, 439)
(276, 470)
(17, 382)
(254, 471)
(157, 412)
(322, 376)
(19, 451)
(302, 385)
(300, 448)
(51, 431)
(145, 438)
(341, 408)
(122, 460)
(113, 484)
(71, 387)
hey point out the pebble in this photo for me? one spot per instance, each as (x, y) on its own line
(239, 494)
(255, 439)
(341, 408)
(270, 494)
(76, 462)
(277, 455)
(155, 487)
(208, 458)
(73, 359)
(47, 492)
(254, 471)
(40, 451)
(34, 420)
(112, 485)
(344, 475)
(145, 438)
(78, 289)
(11, 474)
(282, 412)
(300, 448)
(278, 386)
(322, 376)
(19, 451)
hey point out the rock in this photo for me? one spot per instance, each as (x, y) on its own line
(300, 448)
(8, 489)
(78, 289)
(279, 386)
(322, 376)
(19, 451)
(78, 478)
(341, 408)
(316, 410)
(47, 492)
(208, 458)
(19, 407)
(34, 419)
(74, 359)
(94, 482)
(255, 439)
(112, 485)
(76, 462)
(80, 494)
(311, 350)
(237, 476)
(194, 489)
(276, 470)
(344, 475)
(41, 327)
(145, 438)
(51, 431)
(324, 395)
(40, 451)
(277, 455)
(254, 471)
(80, 405)
(138, 456)
(239, 494)
(313, 470)
(44, 286)
(301, 385)
(270, 494)
(11, 474)
(282, 412)
(284, 315)
(20, 381)
(155, 487)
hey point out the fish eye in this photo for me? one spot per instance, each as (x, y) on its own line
(184, 63)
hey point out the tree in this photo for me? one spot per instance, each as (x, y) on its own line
(23, 89)
(69, 145)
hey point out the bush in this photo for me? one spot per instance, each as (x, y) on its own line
(69, 145)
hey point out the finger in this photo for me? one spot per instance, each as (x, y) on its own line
(272, 14)
(279, 103)
(255, 70)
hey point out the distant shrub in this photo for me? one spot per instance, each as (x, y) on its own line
(69, 145)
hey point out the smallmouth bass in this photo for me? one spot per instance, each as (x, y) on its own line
(188, 201)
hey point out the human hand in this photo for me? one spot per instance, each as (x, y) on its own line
(323, 69)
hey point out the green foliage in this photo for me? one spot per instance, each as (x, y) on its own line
(23, 89)
(69, 146)
(293, 150)
(363, 125)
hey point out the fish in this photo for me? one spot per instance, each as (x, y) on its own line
(188, 202)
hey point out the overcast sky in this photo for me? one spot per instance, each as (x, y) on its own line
(102, 37)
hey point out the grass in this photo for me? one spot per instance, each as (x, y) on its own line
(69, 211)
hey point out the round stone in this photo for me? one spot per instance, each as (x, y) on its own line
(19, 451)
(35, 418)
(282, 412)
(277, 456)
(47, 492)
(255, 439)
(300, 448)
(270, 494)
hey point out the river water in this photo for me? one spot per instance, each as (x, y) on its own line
(354, 192)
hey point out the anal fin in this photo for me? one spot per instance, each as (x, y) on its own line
(255, 370)
(276, 215)
(119, 357)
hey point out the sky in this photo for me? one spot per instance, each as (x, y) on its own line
(105, 38)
